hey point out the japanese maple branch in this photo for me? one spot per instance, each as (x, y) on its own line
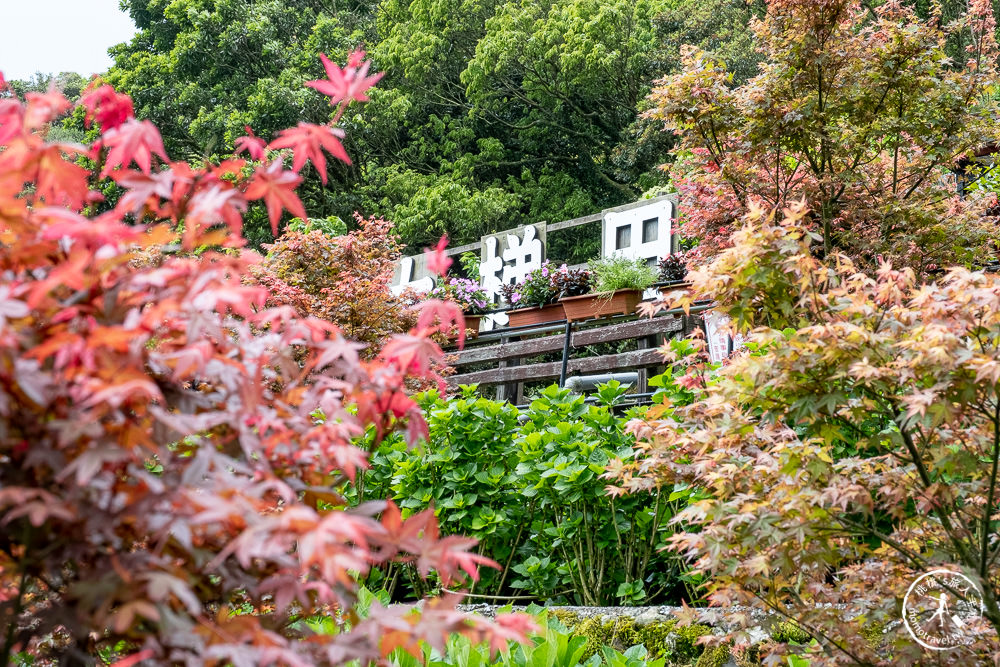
(988, 510)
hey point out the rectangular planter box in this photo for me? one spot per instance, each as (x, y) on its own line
(472, 322)
(588, 306)
(674, 286)
(471, 328)
(526, 316)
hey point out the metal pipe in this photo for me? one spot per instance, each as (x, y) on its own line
(565, 358)
(582, 383)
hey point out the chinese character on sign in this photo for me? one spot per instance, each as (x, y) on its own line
(406, 271)
(640, 231)
(490, 269)
(521, 256)
(507, 258)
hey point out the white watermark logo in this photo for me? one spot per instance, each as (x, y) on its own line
(942, 609)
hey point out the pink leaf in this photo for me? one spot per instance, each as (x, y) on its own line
(437, 261)
(108, 108)
(277, 188)
(252, 144)
(348, 84)
(136, 141)
(308, 141)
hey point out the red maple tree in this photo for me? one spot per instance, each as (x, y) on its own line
(161, 465)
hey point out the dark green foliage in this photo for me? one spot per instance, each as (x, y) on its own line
(574, 282)
(528, 485)
(491, 113)
(673, 267)
(69, 84)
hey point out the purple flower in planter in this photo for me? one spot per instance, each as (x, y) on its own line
(515, 297)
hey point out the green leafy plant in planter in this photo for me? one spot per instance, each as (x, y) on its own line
(616, 289)
(617, 273)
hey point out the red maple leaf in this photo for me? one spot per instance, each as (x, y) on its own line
(444, 316)
(144, 191)
(511, 627)
(411, 354)
(109, 108)
(11, 119)
(252, 144)
(349, 83)
(135, 140)
(276, 187)
(44, 107)
(57, 222)
(437, 261)
(307, 141)
(218, 202)
(416, 429)
(60, 182)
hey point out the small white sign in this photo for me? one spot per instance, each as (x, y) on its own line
(721, 343)
(638, 231)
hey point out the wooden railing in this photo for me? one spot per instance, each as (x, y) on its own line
(505, 351)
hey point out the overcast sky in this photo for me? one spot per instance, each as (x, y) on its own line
(53, 36)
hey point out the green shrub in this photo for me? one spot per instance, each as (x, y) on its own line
(662, 639)
(616, 273)
(789, 632)
(466, 473)
(527, 484)
(874, 632)
(715, 656)
(568, 641)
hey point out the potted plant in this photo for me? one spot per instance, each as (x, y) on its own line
(673, 270)
(468, 294)
(535, 298)
(673, 273)
(572, 282)
(617, 286)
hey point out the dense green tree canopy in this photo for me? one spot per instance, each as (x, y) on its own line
(491, 113)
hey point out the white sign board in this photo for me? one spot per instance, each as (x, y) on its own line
(407, 275)
(718, 336)
(638, 231)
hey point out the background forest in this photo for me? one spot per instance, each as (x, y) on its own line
(491, 113)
